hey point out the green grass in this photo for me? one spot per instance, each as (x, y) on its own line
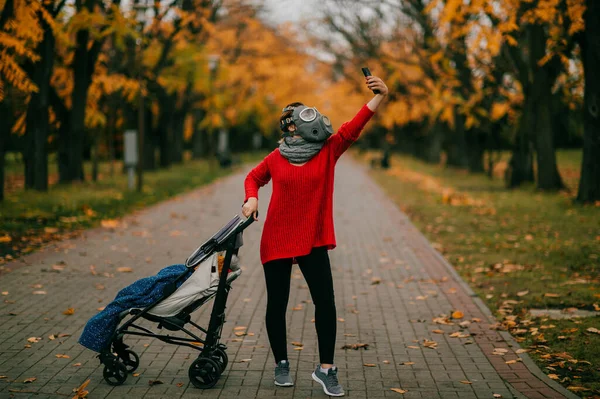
(532, 249)
(29, 218)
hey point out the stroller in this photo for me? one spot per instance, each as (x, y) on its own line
(172, 311)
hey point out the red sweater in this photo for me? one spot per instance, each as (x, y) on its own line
(300, 214)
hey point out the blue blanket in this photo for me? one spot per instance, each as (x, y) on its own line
(100, 328)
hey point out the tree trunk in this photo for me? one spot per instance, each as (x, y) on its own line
(541, 96)
(198, 147)
(94, 151)
(149, 140)
(76, 132)
(589, 185)
(435, 140)
(457, 144)
(37, 119)
(6, 117)
(475, 151)
(164, 129)
(177, 127)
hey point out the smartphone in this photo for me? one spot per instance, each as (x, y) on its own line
(366, 72)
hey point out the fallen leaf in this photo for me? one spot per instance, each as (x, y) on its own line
(240, 333)
(80, 392)
(30, 380)
(369, 364)
(398, 390)
(50, 230)
(34, 339)
(551, 295)
(466, 382)
(299, 348)
(553, 376)
(39, 292)
(386, 362)
(69, 312)
(295, 343)
(458, 314)
(136, 374)
(77, 365)
(109, 223)
(6, 238)
(125, 270)
(5, 293)
(430, 344)
(245, 360)
(180, 384)
(341, 320)
(593, 330)
(100, 309)
(155, 382)
(522, 293)
(412, 347)
(577, 389)
(522, 350)
(500, 351)
(3, 376)
(238, 328)
(61, 356)
(438, 331)
(375, 280)
(497, 395)
(356, 346)
(407, 363)
(62, 335)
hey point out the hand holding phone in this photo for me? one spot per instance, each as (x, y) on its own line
(367, 72)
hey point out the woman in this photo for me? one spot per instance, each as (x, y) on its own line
(299, 225)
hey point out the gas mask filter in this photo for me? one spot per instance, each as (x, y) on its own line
(310, 124)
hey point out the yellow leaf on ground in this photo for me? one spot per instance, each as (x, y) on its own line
(61, 356)
(6, 238)
(109, 223)
(69, 312)
(399, 390)
(30, 380)
(369, 364)
(124, 269)
(593, 330)
(466, 382)
(50, 230)
(458, 314)
(295, 343)
(438, 331)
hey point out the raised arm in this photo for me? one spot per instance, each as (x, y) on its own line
(349, 132)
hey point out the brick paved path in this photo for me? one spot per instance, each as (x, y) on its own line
(389, 284)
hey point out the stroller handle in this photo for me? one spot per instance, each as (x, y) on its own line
(247, 223)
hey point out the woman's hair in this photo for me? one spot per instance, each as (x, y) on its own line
(288, 113)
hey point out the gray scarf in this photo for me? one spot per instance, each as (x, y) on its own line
(298, 150)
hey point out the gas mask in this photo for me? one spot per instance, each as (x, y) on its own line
(310, 124)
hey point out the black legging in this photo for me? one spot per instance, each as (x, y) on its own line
(317, 272)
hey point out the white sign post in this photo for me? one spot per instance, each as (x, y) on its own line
(131, 156)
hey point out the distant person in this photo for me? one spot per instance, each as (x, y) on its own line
(299, 225)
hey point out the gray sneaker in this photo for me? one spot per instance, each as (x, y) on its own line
(329, 381)
(282, 374)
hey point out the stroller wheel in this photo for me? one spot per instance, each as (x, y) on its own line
(220, 356)
(115, 373)
(130, 359)
(204, 373)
